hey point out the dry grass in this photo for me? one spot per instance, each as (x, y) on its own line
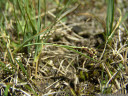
(77, 59)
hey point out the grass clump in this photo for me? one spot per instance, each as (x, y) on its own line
(42, 55)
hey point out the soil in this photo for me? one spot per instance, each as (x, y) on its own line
(64, 72)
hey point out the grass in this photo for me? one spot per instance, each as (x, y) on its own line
(35, 62)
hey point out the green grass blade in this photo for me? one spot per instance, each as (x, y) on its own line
(22, 67)
(32, 37)
(116, 26)
(29, 88)
(4, 66)
(38, 30)
(125, 28)
(124, 18)
(110, 17)
(65, 46)
(10, 57)
(6, 90)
